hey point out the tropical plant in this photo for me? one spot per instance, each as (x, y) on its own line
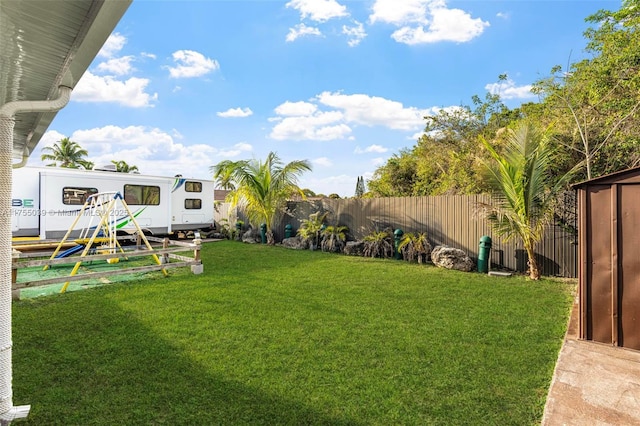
(226, 230)
(237, 233)
(523, 188)
(66, 153)
(334, 238)
(415, 246)
(261, 188)
(311, 229)
(123, 167)
(378, 244)
(224, 174)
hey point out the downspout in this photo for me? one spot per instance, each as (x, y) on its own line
(7, 112)
(23, 160)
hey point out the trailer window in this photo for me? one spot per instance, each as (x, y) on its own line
(193, 203)
(142, 195)
(191, 186)
(76, 196)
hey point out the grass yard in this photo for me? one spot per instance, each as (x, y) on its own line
(274, 336)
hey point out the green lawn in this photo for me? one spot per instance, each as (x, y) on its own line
(274, 336)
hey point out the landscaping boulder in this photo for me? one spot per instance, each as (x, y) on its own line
(451, 258)
(251, 236)
(296, 243)
(354, 248)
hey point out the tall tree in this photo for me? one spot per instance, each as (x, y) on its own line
(523, 186)
(261, 188)
(596, 102)
(444, 159)
(397, 177)
(360, 190)
(66, 153)
(123, 167)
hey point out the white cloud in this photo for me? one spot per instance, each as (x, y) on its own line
(322, 161)
(302, 30)
(113, 45)
(509, 90)
(176, 134)
(296, 108)
(371, 148)
(415, 136)
(503, 15)
(152, 150)
(48, 139)
(236, 150)
(305, 121)
(427, 21)
(400, 12)
(378, 161)
(356, 33)
(318, 10)
(130, 92)
(148, 55)
(235, 112)
(447, 25)
(117, 66)
(321, 126)
(374, 110)
(190, 63)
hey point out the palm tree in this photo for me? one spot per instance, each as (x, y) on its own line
(378, 244)
(524, 190)
(334, 238)
(415, 247)
(261, 188)
(223, 174)
(68, 153)
(123, 167)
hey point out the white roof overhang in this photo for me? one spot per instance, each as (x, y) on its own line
(44, 44)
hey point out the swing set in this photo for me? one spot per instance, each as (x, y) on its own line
(108, 212)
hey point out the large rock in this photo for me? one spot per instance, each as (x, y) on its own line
(296, 243)
(251, 236)
(354, 248)
(451, 258)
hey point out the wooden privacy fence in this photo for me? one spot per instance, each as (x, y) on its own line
(452, 220)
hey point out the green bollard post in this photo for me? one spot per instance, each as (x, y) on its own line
(263, 233)
(288, 231)
(397, 237)
(483, 254)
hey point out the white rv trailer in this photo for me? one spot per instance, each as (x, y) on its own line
(46, 201)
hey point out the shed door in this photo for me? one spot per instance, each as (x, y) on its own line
(629, 261)
(599, 267)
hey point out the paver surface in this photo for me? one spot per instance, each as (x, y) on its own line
(593, 384)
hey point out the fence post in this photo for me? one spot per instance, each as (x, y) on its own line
(165, 245)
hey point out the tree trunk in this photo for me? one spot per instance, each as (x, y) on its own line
(534, 272)
(271, 240)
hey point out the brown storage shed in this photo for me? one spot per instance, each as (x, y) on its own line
(609, 258)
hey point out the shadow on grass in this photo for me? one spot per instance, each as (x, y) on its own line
(124, 374)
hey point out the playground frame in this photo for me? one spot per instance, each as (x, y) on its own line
(168, 254)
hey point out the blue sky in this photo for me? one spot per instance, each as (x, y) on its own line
(182, 85)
